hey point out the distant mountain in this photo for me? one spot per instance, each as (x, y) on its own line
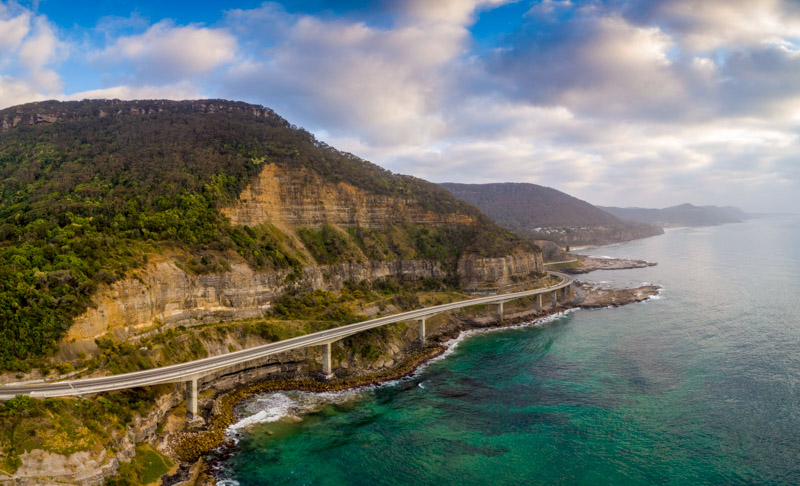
(543, 212)
(681, 215)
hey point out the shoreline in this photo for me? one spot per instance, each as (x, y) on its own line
(191, 447)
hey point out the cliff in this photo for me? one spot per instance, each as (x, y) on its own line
(164, 295)
(298, 197)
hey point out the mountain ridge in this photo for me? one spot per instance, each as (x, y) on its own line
(685, 214)
(543, 212)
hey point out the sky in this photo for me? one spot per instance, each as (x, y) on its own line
(646, 103)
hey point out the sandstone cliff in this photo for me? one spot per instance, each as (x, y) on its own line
(481, 273)
(165, 294)
(301, 198)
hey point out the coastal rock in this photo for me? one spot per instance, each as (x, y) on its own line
(590, 264)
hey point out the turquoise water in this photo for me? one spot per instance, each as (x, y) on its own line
(700, 386)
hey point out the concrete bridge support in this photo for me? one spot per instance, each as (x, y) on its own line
(326, 359)
(191, 398)
(555, 298)
(500, 312)
(421, 324)
(539, 301)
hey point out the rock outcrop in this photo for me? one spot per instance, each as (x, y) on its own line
(301, 198)
(478, 273)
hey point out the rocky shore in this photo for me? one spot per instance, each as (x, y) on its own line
(590, 264)
(190, 446)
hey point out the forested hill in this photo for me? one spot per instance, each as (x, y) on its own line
(530, 205)
(540, 211)
(681, 215)
(89, 189)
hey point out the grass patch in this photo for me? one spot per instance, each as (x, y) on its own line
(146, 468)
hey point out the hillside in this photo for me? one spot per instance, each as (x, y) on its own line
(681, 215)
(543, 212)
(115, 216)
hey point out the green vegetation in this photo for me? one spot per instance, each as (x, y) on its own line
(85, 199)
(566, 266)
(146, 468)
(329, 245)
(65, 426)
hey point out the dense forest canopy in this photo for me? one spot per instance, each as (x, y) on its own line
(89, 188)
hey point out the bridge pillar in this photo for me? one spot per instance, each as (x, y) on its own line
(565, 293)
(191, 398)
(421, 324)
(500, 312)
(539, 301)
(326, 359)
(555, 298)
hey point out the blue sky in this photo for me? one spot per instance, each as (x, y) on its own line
(619, 102)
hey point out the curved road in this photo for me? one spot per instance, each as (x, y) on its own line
(201, 367)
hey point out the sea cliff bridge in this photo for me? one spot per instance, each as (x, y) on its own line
(193, 371)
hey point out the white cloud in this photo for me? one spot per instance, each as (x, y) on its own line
(169, 52)
(40, 48)
(15, 92)
(387, 84)
(13, 29)
(29, 51)
(459, 12)
(711, 24)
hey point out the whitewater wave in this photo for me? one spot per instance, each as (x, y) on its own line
(287, 405)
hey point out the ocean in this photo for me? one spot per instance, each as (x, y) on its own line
(700, 385)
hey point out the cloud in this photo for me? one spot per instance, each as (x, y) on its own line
(450, 11)
(385, 83)
(712, 24)
(13, 29)
(14, 91)
(595, 64)
(168, 52)
(39, 50)
(30, 50)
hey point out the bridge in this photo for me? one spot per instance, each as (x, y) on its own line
(192, 371)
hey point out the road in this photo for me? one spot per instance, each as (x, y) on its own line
(201, 367)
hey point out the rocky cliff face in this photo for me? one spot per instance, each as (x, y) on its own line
(167, 295)
(478, 273)
(300, 198)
